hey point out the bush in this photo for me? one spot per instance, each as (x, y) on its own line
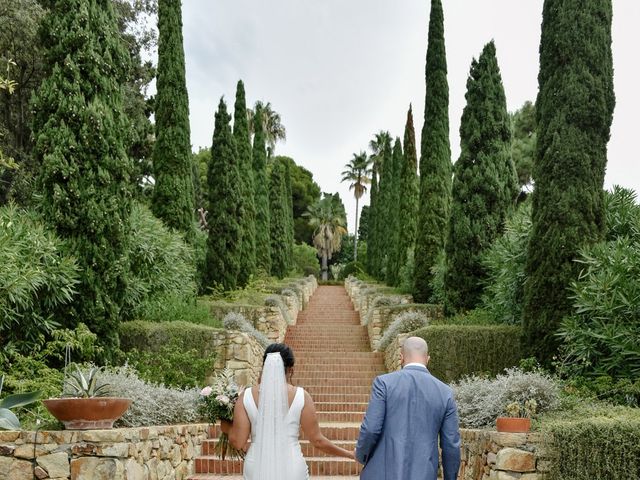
(623, 391)
(477, 316)
(151, 404)
(459, 350)
(505, 264)
(237, 322)
(438, 272)
(406, 272)
(162, 263)
(351, 268)
(483, 399)
(404, 323)
(36, 279)
(172, 308)
(305, 259)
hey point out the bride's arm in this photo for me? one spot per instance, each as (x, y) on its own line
(311, 428)
(240, 429)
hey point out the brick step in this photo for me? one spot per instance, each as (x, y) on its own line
(346, 357)
(334, 382)
(315, 390)
(329, 349)
(308, 450)
(340, 417)
(341, 407)
(317, 466)
(334, 431)
(350, 398)
(301, 368)
(318, 374)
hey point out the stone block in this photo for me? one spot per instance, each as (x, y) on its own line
(97, 468)
(40, 473)
(133, 470)
(27, 450)
(515, 460)
(55, 464)
(108, 436)
(491, 458)
(119, 450)
(9, 436)
(7, 450)
(18, 470)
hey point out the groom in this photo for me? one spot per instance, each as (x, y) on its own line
(407, 412)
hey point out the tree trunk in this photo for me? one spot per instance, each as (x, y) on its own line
(355, 241)
(325, 267)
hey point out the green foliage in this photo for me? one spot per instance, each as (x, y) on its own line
(363, 227)
(263, 227)
(225, 233)
(381, 147)
(278, 220)
(435, 160)
(170, 308)
(37, 279)
(173, 196)
(352, 268)
(438, 272)
(161, 263)
(384, 209)
(237, 322)
(79, 385)
(523, 142)
(405, 322)
(574, 111)
(305, 259)
(8, 419)
(247, 208)
(459, 350)
(505, 263)
(200, 166)
(80, 134)
(621, 391)
(484, 186)
(395, 229)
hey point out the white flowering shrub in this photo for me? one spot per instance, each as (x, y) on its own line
(151, 404)
(404, 323)
(236, 321)
(277, 301)
(381, 301)
(482, 399)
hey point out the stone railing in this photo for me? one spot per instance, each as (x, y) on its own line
(162, 453)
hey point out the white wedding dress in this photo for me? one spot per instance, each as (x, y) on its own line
(275, 452)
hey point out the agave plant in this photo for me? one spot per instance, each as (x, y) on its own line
(79, 386)
(8, 419)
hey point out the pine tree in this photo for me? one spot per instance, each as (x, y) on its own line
(224, 245)
(574, 111)
(173, 192)
(80, 132)
(485, 184)
(393, 229)
(247, 198)
(278, 213)
(261, 179)
(384, 211)
(435, 160)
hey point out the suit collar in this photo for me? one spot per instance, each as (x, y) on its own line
(416, 367)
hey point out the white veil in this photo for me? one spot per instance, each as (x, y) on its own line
(273, 449)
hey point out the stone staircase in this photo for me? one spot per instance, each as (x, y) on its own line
(335, 365)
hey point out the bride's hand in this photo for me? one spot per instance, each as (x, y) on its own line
(351, 454)
(225, 426)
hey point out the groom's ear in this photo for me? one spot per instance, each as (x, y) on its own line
(428, 358)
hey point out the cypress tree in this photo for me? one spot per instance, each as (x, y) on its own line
(261, 179)
(435, 160)
(173, 195)
(393, 229)
(383, 212)
(80, 131)
(288, 200)
(485, 185)
(224, 245)
(574, 110)
(247, 206)
(372, 230)
(278, 212)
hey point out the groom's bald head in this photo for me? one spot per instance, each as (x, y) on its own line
(415, 350)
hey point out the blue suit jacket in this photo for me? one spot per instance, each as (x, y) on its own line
(407, 412)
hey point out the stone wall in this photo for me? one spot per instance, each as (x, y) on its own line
(242, 354)
(379, 317)
(149, 453)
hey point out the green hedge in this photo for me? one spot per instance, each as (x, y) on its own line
(604, 447)
(459, 350)
(153, 336)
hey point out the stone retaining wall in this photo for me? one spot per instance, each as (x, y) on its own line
(242, 354)
(148, 453)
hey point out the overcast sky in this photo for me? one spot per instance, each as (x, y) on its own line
(340, 70)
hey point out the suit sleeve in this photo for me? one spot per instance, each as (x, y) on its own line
(450, 441)
(373, 423)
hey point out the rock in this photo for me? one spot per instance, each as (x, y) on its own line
(7, 450)
(40, 473)
(55, 464)
(491, 458)
(20, 470)
(182, 471)
(175, 456)
(115, 435)
(97, 468)
(120, 450)
(9, 436)
(514, 460)
(5, 466)
(134, 470)
(27, 451)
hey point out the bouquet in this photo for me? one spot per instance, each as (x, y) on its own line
(217, 403)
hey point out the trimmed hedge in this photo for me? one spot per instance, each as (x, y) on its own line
(599, 447)
(152, 336)
(459, 350)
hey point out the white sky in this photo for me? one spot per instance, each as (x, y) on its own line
(340, 70)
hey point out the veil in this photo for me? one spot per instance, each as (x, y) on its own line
(273, 449)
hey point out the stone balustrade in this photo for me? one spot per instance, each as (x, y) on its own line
(144, 453)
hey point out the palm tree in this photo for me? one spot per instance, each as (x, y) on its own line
(329, 227)
(377, 144)
(274, 130)
(358, 174)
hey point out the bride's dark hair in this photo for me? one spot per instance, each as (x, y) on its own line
(285, 352)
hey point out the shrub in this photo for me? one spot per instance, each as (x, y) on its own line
(381, 301)
(438, 272)
(171, 308)
(477, 316)
(623, 391)
(505, 262)
(459, 350)
(404, 323)
(277, 301)
(36, 279)
(237, 322)
(151, 404)
(483, 399)
(351, 268)
(161, 263)
(406, 272)
(305, 259)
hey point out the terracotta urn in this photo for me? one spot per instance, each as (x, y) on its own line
(87, 413)
(513, 424)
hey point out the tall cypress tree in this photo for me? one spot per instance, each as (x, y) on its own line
(372, 230)
(247, 201)
(288, 199)
(173, 197)
(435, 160)
(224, 246)
(574, 110)
(393, 230)
(80, 131)
(278, 211)
(383, 212)
(261, 179)
(408, 203)
(485, 185)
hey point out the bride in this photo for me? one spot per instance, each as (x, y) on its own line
(272, 414)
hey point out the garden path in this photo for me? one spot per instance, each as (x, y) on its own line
(334, 363)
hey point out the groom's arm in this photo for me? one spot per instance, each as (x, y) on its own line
(450, 441)
(373, 422)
